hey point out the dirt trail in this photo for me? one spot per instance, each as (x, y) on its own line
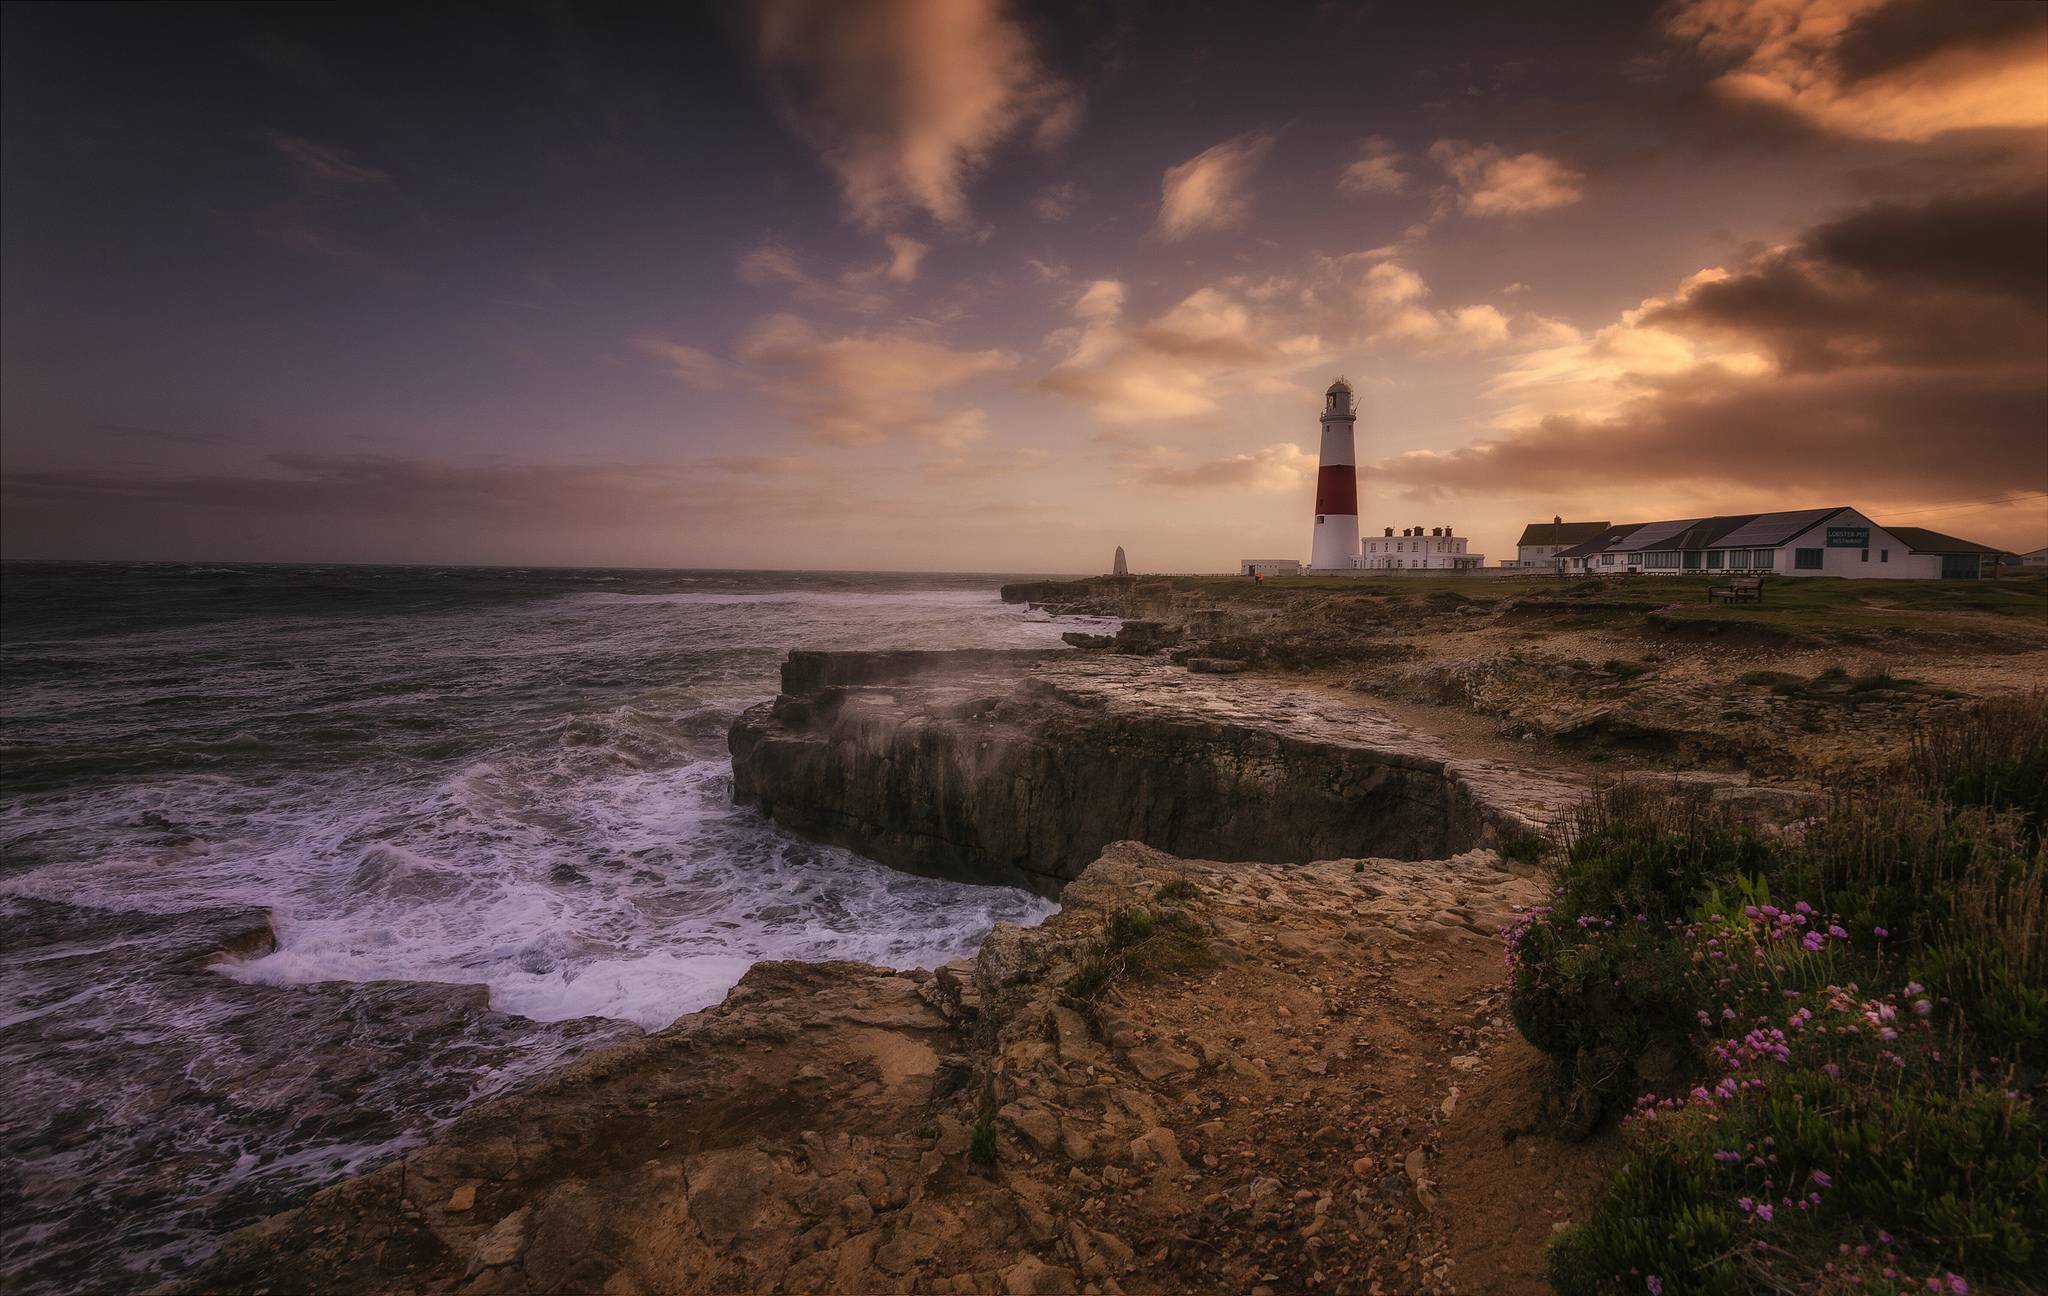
(1352, 1108)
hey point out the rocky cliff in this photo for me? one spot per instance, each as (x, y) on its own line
(1290, 1077)
(1020, 768)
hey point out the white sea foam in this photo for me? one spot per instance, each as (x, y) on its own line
(531, 795)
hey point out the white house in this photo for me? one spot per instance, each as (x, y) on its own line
(1543, 541)
(1803, 542)
(1439, 550)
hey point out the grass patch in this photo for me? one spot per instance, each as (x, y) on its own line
(1174, 891)
(1526, 849)
(1136, 943)
(981, 1145)
(1849, 1027)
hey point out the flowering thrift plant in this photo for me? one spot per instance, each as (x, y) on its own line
(1831, 1093)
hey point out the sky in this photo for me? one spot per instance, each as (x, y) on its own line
(975, 286)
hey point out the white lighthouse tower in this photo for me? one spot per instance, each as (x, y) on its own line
(1336, 539)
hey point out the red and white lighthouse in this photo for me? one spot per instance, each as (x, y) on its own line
(1336, 539)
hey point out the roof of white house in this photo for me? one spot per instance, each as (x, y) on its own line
(1545, 533)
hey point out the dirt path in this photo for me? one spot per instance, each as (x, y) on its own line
(1350, 1108)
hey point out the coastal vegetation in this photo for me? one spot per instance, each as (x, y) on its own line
(1828, 1038)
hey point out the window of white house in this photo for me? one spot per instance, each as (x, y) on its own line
(1763, 559)
(1866, 555)
(1884, 555)
(1808, 559)
(1607, 560)
(1715, 557)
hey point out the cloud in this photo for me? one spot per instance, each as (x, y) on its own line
(864, 389)
(863, 290)
(1207, 192)
(698, 369)
(1878, 69)
(1377, 169)
(1491, 182)
(1177, 364)
(1880, 353)
(322, 166)
(1370, 297)
(384, 507)
(907, 101)
(1275, 470)
(906, 255)
(1056, 202)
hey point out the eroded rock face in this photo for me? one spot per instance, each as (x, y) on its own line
(1020, 768)
(1231, 1123)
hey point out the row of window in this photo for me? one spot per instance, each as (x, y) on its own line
(1732, 559)
(1716, 559)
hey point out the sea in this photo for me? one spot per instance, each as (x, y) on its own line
(486, 812)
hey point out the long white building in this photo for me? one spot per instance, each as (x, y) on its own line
(1802, 542)
(1413, 550)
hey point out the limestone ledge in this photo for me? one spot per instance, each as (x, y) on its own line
(814, 1131)
(1021, 767)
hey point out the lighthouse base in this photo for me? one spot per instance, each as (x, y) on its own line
(1336, 543)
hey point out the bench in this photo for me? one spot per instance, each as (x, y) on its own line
(1739, 589)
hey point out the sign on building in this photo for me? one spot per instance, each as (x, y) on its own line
(1848, 537)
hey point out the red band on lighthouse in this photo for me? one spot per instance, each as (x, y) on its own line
(1337, 489)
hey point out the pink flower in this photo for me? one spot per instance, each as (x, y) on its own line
(1655, 1284)
(1764, 1213)
(1878, 932)
(1957, 1285)
(1821, 1177)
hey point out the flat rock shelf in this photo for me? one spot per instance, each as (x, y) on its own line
(1021, 767)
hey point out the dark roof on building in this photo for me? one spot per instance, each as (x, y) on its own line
(1611, 538)
(1744, 531)
(1730, 531)
(1921, 540)
(1549, 533)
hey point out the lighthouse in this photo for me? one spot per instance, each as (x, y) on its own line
(1336, 538)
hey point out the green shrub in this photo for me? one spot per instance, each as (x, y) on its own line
(1849, 1024)
(1174, 891)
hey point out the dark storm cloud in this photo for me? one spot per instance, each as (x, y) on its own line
(1832, 436)
(1909, 32)
(1905, 344)
(1956, 281)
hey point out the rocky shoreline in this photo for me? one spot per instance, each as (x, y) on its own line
(1297, 1106)
(1260, 1073)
